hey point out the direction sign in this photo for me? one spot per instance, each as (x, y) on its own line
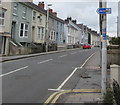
(104, 10)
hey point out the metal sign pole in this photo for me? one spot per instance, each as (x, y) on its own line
(104, 52)
(100, 25)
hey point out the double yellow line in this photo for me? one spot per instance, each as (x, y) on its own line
(55, 96)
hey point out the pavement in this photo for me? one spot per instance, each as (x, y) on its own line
(87, 90)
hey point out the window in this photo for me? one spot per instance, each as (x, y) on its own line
(23, 30)
(40, 19)
(61, 38)
(15, 8)
(24, 12)
(34, 15)
(40, 33)
(2, 18)
(53, 35)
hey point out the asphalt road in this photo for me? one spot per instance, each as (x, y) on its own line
(28, 80)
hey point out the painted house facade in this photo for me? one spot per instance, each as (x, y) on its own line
(85, 35)
(38, 29)
(21, 23)
(73, 33)
(5, 24)
(95, 38)
(38, 23)
(55, 30)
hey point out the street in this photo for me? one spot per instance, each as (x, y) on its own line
(33, 80)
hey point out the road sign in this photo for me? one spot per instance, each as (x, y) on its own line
(104, 33)
(104, 10)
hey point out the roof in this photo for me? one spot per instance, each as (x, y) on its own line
(34, 6)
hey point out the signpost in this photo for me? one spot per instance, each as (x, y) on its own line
(103, 20)
(104, 10)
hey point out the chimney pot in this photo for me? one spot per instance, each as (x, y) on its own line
(41, 5)
(55, 14)
(50, 10)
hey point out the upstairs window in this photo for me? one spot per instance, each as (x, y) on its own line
(23, 30)
(34, 15)
(15, 8)
(40, 33)
(24, 12)
(53, 35)
(61, 38)
(40, 19)
(2, 17)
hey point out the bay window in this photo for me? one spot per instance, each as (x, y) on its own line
(23, 30)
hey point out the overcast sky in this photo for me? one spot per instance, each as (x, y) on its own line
(85, 12)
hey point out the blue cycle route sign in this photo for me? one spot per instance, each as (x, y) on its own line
(104, 10)
(104, 34)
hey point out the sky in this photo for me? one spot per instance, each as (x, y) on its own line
(85, 12)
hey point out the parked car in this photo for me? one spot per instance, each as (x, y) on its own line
(86, 46)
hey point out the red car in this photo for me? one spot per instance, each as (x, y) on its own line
(86, 46)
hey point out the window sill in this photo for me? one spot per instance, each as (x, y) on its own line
(24, 18)
(15, 14)
(22, 37)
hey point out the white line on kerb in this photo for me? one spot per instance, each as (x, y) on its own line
(62, 56)
(73, 53)
(13, 71)
(87, 60)
(59, 88)
(45, 61)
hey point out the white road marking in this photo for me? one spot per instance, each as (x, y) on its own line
(55, 90)
(87, 60)
(13, 71)
(59, 88)
(62, 56)
(45, 61)
(73, 53)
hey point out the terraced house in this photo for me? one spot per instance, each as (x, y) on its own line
(38, 26)
(18, 25)
(5, 30)
(55, 31)
(21, 27)
(73, 33)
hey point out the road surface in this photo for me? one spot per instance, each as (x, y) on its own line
(31, 80)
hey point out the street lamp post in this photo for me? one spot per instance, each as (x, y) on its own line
(47, 23)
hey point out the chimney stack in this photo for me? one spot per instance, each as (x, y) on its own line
(74, 21)
(41, 5)
(50, 10)
(69, 18)
(55, 14)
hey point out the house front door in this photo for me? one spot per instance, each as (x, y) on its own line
(0, 44)
(13, 30)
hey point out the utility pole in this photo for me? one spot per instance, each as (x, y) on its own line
(104, 51)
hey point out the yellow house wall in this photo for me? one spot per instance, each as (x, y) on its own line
(7, 25)
(36, 24)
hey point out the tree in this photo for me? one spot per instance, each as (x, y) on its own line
(115, 41)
